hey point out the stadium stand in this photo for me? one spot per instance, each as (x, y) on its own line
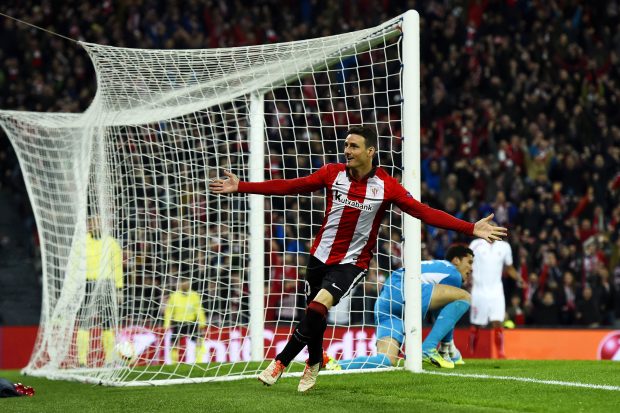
(519, 118)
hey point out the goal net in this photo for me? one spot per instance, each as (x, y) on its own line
(148, 278)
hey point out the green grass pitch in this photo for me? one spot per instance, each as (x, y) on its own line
(384, 392)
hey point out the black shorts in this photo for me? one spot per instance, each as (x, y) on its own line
(339, 279)
(179, 330)
(96, 309)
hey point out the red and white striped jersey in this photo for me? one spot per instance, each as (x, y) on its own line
(355, 209)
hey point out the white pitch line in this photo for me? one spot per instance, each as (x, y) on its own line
(528, 380)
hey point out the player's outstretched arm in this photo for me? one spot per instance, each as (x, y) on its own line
(231, 184)
(486, 230)
(224, 186)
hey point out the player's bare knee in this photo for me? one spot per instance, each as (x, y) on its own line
(390, 348)
(393, 360)
(391, 356)
(465, 296)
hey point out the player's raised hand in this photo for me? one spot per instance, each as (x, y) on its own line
(488, 231)
(224, 186)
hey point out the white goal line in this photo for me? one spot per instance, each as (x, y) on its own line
(528, 380)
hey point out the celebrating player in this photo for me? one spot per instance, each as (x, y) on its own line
(441, 289)
(358, 196)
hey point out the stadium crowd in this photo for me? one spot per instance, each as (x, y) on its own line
(518, 118)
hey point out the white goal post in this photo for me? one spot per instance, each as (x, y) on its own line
(149, 279)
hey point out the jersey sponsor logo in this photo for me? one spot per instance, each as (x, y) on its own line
(339, 197)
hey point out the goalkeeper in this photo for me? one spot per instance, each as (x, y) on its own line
(441, 282)
(358, 195)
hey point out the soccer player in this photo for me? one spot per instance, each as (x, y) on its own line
(487, 294)
(441, 289)
(358, 195)
(104, 272)
(182, 315)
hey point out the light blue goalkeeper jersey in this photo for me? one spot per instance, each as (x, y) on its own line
(441, 272)
(389, 305)
(433, 272)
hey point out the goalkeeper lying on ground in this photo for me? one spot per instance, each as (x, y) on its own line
(441, 289)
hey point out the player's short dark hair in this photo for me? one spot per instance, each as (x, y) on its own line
(458, 251)
(367, 132)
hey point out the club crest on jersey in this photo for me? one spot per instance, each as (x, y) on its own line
(339, 197)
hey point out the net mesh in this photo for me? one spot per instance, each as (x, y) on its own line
(146, 275)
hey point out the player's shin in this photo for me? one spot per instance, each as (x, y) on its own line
(473, 338)
(315, 345)
(498, 337)
(448, 317)
(309, 329)
(448, 337)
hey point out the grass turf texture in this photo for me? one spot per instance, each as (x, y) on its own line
(375, 392)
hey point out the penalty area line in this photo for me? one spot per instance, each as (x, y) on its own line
(528, 380)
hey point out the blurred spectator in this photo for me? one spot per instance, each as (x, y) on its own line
(505, 212)
(545, 312)
(606, 294)
(431, 175)
(450, 190)
(588, 311)
(568, 294)
(592, 259)
(514, 311)
(531, 216)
